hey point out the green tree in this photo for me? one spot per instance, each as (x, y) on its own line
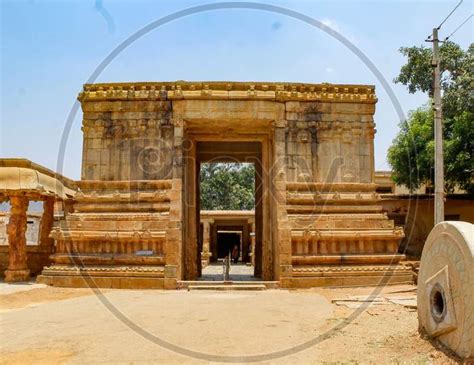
(412, 152)
(227, 186)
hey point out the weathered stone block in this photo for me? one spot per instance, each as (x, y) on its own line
(446, 287)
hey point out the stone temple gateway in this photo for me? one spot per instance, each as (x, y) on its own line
(134, 219)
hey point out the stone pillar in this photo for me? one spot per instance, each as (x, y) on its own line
(213, 243)
(372, 154)
(245, 242)
(252, 243)
(283, 271)
(258, 249)
(206, 240)
(174, 239)
(16, 229)
(191, 262)
(46, 224)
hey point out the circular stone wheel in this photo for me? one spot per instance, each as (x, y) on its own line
(449, 247)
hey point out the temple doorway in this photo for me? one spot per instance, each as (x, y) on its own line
(213, 240)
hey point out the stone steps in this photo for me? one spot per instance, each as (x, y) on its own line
(227, 285)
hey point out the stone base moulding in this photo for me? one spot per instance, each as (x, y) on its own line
(104, 277)
(17, 275)
(348, 276)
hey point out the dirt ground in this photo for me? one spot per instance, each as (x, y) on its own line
(73, 326)
(37, 297)
(381, 333)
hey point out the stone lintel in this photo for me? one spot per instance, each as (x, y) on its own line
(229, 90)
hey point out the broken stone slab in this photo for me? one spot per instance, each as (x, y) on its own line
(408, 302)
(355, 302)
(360, 298)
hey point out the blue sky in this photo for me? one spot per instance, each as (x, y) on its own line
(50, 48)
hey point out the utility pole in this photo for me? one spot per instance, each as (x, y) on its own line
(438, 119)
(438, 135)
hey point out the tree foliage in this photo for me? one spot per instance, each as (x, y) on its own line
(227, 186)
(412, 152)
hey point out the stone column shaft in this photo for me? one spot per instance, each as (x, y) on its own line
(16, 229)
(206, 240)
(252, 243)
(46, 223)
(282, 231)
(174, 240)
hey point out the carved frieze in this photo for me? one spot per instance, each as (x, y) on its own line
(229, 90)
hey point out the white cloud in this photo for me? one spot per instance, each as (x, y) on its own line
(329, 69)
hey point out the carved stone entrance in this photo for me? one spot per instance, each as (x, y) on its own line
(134, 220)
(243, 147)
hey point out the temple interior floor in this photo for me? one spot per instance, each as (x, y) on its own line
(47, 325)
(237, 272)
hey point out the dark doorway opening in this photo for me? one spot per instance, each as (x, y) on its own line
(226, 241)
(241, 155)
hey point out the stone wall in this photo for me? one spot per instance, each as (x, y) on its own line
(415, 214)
(127, 140)
(329, 142)
(116, 234)
(128, 133)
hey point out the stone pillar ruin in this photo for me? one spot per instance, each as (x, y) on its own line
(16, 229)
